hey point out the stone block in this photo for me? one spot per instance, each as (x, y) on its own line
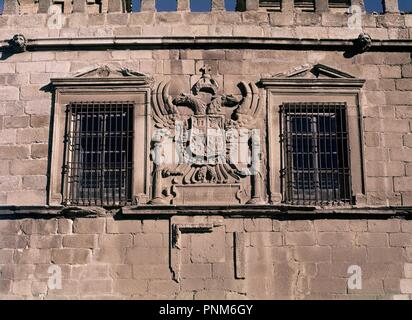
(8, 241)
(155, 226)
(376, 255)
(14, 152)
(336, 239)
(32, 135)
(9, 93)
(80, 241)
(16, 122)
(267, 239)
(406, 286)
(33, 256)
(39, 226)
(45, 241)
(312, 254)
(153, 271)
(89, 225)
(164, 287)
(130, 287)
(26, 197)
(400, 240)
(392, 225)
(93, 287)
(331, 225)
(150, 240)
(28, 167)
(349, 254)
(147, 256)
(34, 182)
(124, 226)
(403, 183)
(39, 151)
(71, 256)
(373, 239)
(115, 240)
(196, 271)
(258, 225)
(300, 238)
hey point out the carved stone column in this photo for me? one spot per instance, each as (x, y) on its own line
(157, 154)
(79, 6)
(148, 5)
(218, 5)
(157, 186)
(287, 5)
(256, 177)
(10, 7)
(115, 6)
(44, 5)
(321, 5)
(391, 6)
(183, 5)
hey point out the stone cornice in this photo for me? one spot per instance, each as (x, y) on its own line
(203, 42)
(312, 83)
(300, 212)
(76, 82)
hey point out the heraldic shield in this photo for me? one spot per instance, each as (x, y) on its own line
(207, 139)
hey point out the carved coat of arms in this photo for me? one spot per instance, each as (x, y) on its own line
(205, 140)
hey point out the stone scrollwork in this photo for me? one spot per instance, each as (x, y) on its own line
(208, 140)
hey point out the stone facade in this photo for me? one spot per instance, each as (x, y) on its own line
(237, 242)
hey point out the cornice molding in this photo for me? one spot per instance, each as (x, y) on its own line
(81, 82)
(350, 212)
(205, 41)
(290, 83)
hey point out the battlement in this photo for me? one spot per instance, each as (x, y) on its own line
(116, 6)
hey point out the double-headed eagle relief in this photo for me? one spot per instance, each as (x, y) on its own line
(208, 141)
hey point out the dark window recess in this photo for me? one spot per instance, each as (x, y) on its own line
(98, 153)
(305, 5)
(339, 3)
(270, 5)
(315, 153)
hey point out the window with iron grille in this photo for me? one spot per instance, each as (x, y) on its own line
(98, 153)
(339, 3)
(270, 5)
(315, 153)
(305, 5)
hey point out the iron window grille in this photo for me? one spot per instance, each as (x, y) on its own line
(315, 153)
(339, 3)
(98, 153)
(270, 5)
(305, 5)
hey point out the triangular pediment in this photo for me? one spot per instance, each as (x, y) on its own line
(104, 75)
(314, 72)
(106, 71)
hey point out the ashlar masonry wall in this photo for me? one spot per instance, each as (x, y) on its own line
(283, 254)
(106, 258)
(25, 105)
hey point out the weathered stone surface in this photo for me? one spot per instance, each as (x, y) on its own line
(287, 256)
(89, 225)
